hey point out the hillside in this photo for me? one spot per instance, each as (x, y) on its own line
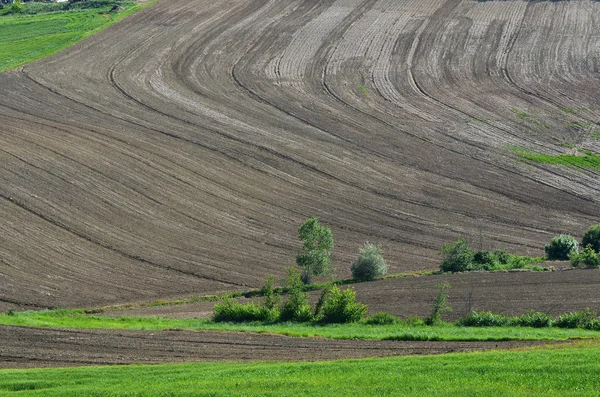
(178, 151)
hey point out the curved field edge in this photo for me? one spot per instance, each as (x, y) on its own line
(26, 38)
(549, 371)
(447, 332)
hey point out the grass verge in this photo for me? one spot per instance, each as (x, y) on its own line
(25, 38)
(401, 331)
(586, 159)
(549, 371)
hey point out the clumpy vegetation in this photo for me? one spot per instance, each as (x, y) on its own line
(459, 257)
(561, 247)
(333, 306)
(592, 237)
(581, 319)
(587, 258)
(370, 263)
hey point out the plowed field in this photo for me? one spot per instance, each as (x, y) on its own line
(177, 152)
(30, 347)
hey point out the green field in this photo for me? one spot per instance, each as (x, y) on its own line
(25, 38)
(403, 331)
(556, 371)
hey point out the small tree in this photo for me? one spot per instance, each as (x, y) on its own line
(592, 237)
(370, 263)
(440, 305)
(271, 298)
(561, 247)
(316, 254)
(456, 257)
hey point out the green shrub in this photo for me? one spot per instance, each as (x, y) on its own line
(587, 258)
(440, 305)
(370, 263)
(296, 307)
(271, 298)
(456, 257)
(232, 310)
(592, 237)
(502, 257)
(561, 247)
(382, 318)
(485, 319)
(341, 307)
(586, 319)
(484, 260)
(535, 319)
(322, 299)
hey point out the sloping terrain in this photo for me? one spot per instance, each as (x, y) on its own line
(178, 151)
(510, 293)
(39, 347)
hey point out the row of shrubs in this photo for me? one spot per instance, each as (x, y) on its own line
(334, 305)
(580, 319)
(566, 247)
(458, 257)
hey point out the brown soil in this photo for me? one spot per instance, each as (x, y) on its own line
(511, 293)
(178, 151)
(40, 347)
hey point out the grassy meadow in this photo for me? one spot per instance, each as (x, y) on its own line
(547, 371)
(401, 331)
(26, 37)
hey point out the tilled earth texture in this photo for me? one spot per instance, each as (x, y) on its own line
(511, 293)
(41, 347)
(178, 151)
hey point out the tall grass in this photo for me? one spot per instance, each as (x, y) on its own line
(556, 371)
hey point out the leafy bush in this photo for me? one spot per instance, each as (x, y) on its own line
(587, 258)
(370, 263)
(271, 298)
(592, 237)
(586, 319)
(440, 305)
(456, 257)
(485, 319)
(382, 318)
(535, 319)
(232, 310)
(561, 247)
(484, 260)
(296, 307)
(341, 307)
(502, 257)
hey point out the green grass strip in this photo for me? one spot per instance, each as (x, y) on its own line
(558, 371)
(587, 159)
(25, 38)
(402, 331)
